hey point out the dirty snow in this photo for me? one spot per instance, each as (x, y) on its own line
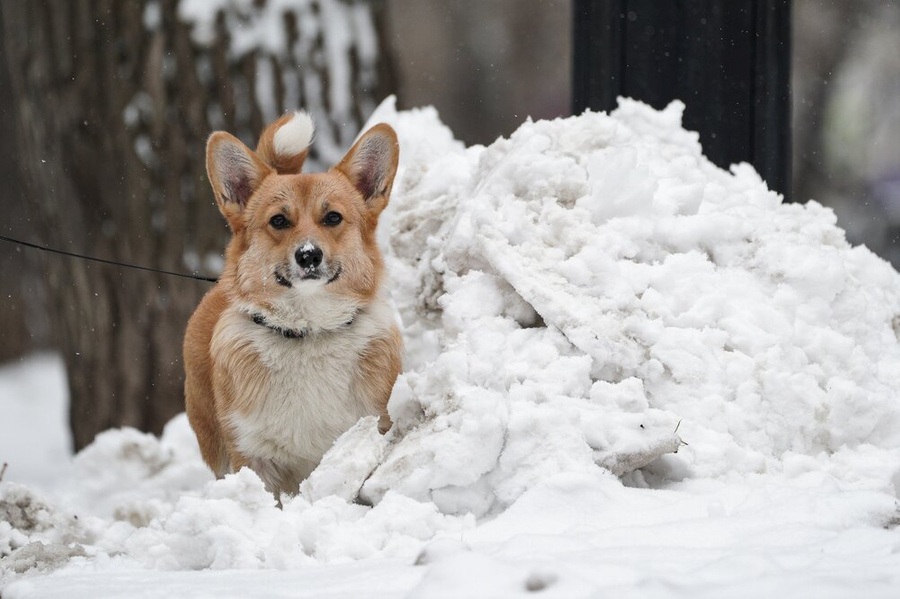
(579, 302)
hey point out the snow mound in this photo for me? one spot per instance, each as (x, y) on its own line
(587, 284)
(577, 300)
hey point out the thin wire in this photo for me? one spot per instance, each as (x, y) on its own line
(103, 261)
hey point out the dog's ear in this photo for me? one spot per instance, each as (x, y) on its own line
(284, 145)
(235, 172)
(371, 165)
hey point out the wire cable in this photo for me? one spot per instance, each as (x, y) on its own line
(104, 261)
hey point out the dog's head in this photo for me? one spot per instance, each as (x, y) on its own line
(298, 235)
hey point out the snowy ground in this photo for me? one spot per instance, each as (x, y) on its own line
(579, 301)
(34, 433)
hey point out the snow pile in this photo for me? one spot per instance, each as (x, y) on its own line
(590, 282)
(576, 299)
(153, 500)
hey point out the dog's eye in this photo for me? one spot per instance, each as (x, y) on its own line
(332, 219)
(279, 221)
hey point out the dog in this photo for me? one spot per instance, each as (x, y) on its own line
(296, 342)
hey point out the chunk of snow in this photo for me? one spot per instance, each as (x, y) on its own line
(346, 466)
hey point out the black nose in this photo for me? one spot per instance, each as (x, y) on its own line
(308, 257)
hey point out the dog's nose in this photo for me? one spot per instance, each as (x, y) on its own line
(308, 257)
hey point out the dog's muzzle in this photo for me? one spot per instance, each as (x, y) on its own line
(311, 264)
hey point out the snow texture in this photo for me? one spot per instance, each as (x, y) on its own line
(579, 302)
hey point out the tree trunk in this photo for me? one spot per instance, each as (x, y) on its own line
(114, 102)
(22, 293)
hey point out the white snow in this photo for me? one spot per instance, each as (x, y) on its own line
(578, 301)
(35, 442)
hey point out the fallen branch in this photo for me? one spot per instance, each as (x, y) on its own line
(3, 471)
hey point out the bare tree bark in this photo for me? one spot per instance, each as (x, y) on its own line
(22, 292)
(114, 101)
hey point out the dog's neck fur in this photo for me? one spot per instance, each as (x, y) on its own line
(297, 314)
(290, 333)
(286, 333)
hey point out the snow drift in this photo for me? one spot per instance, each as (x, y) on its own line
(578, 300)
(593, 281)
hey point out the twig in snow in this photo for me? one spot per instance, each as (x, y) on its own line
(680, 440)
(3, 471)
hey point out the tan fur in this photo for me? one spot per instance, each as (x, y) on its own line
(382, 355)
(198, 389)
(252, 396)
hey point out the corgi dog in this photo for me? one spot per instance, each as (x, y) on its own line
(296, 341)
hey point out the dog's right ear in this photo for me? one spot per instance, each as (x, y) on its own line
(235, 172)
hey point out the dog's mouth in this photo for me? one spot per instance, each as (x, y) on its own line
(286, 280)
(334, 277)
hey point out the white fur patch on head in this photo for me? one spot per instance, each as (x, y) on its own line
(294, 136)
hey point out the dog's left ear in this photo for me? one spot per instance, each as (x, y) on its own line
(371, 165)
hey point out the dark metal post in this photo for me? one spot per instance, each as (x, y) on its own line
(728, 60)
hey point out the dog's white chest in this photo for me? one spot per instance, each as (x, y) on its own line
(306, 396)
(309, 402)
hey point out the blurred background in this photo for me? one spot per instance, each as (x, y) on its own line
(105, 107)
